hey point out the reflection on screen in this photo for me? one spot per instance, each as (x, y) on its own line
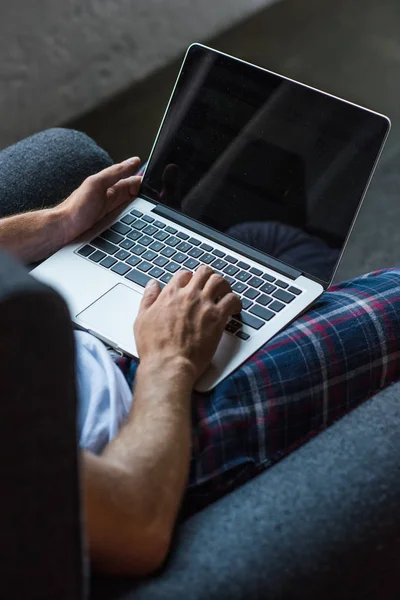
(274, 164)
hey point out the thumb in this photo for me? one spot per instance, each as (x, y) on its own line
(151, 293)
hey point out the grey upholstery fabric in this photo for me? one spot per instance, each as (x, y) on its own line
(324, 523)
(45, 168)
(40, 535)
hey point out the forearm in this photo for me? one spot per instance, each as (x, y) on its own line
(133, 500)
(33, 236)
(155, 441)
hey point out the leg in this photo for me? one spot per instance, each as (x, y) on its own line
(340, 353)
(46, 168)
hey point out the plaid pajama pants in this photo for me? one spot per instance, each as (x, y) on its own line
(338, 354)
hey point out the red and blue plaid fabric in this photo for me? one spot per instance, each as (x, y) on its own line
(338, 354)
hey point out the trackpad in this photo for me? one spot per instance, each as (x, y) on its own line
(112, 317)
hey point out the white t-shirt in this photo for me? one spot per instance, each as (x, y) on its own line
(104, 397)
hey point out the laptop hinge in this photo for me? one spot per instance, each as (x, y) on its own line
(226, 241)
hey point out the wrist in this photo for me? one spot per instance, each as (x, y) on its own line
(175, 369)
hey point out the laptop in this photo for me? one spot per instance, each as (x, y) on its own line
(252, 173)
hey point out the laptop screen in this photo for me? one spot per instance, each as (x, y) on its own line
(272, 163)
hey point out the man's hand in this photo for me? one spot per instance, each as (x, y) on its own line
(183, 324)
(98, 195)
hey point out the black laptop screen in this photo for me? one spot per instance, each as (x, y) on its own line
(272, 163)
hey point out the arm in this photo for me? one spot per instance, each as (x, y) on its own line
(133, 491)
(35, 235)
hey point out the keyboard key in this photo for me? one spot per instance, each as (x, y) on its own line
(206, 247)
(219, 264)
(146, 240)
(86, 250)
(133, 261)
(108, 262)
(120, 268)
(156, 272)
(145, 266)
(138, 277)
(184, 247)
(104, 245)
(230, 280)
(242, 335)
(172, 267)
(160, 261)
(243, 276)
(138, 249)
(148, 219)
(122, 255)
(134, 235)
(195, 252)
(137, 213)
(255, 271)
(139, 224)
(191, 263)
(268, 288)
(166, 277)
(276, 306)
(246, 303)
(294, 290)
(120, 228)
(284, 296)
(149, 255)
(150, 230)
(194, 241)
(112, 236)
(232, 326)
(157, 246)
(264, 300)
(231, 259)
(171, 229)
(172, 241)
(261, 312)
(243, 265)
(254, 281)
(127, 244)
(281, 284)
(159, 224)
(182, 236)
(231, 270)
(168, 251)
(218, 253)
(161, 236)
(269, 277)
(179, 257)
(251, 293)
(250, 320)
(97, 256)
(207, 258)
(128, 219)
(239, 288)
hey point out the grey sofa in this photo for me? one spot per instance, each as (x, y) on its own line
(323, 523)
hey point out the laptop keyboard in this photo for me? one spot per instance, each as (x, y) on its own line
(139, 247)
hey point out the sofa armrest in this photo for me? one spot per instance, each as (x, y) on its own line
(40, 539)
(322, 523)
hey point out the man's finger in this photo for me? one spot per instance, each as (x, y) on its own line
(201, 276)
(151, 293)
(123, 191)
(110, 176)
(181, 278)
(216, 287)
(230, 305)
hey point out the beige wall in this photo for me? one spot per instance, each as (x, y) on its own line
(59, 58)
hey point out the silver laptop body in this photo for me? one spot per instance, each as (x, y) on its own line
(252, 173)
